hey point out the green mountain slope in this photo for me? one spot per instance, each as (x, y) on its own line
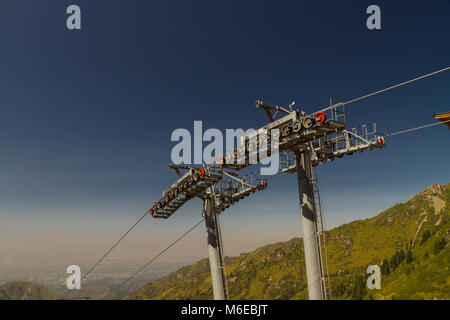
(22, 290)
(408, 241)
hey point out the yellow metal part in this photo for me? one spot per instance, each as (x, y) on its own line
(443, 117)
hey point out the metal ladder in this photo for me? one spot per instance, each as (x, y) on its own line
(321, 238)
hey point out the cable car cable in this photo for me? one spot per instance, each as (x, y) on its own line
(398, 85)
(156, 257)
(389, 88)
(109, 251)
(417, 128)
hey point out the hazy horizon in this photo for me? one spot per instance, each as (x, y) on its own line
(38, 255)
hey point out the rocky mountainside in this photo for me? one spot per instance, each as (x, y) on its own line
(408, 241)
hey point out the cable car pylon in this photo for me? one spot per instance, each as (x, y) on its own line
(307, 141)
(219, 189)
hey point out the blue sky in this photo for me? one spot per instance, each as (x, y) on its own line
(86, 116)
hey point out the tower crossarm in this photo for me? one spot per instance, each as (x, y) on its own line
(328, 147)
(294, 131)
(193, 183)
(347, 142)
(231, 192)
